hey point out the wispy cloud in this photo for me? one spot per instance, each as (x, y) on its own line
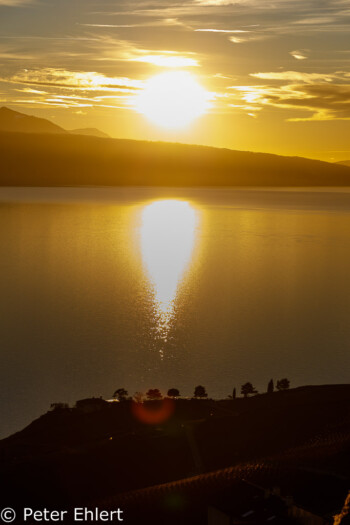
(167, 60)
(214, 2)
(111, 25)
(320, 20)
(151, 23)
(298, 55)
(15, 3)
(251, 3)
(295, 76)
(15, 56)
(30, 90)
(221, 31)
(318, 96)
(70, 89)
(251, 37)
(330, 102)
(86, 81)
(236, 39)
(91, 49)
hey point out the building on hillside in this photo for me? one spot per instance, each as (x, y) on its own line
(90, 405)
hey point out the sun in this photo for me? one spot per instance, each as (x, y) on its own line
(173, 99)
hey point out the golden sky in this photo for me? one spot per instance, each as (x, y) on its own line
(276, 74)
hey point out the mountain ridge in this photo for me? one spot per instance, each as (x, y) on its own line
(15, 121)
(62, 159)
(37, 152)
(93, 132)
(344, 162)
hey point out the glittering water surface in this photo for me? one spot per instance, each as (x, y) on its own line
(168, 234)
(139, 288)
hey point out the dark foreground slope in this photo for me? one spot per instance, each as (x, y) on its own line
(298, 440)
(56, 160)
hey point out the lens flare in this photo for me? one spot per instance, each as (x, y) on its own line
(153, 412)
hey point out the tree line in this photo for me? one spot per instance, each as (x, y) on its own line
(200, 392)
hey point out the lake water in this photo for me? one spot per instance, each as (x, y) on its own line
(137, 288)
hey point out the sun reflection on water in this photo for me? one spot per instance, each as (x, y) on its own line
(168, 232)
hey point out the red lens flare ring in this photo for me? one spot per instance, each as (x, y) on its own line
(153, 412)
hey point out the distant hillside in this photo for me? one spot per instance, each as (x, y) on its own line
(93, 132)
(20, 122)
(344, 162)
(73, 160)
(14, 121)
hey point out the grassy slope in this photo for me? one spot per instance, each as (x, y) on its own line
(55, 160)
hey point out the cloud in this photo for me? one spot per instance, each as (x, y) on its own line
(61, 78)
(30, 90)
(15, 3)
(214, 2)
(320, 100)
(267, 5)
(326, 102)
(111, 25)
(221, 30)
(288, 16)
(167, 60)
(71, 89)
(242, 3)
(251, 37)
(298, 55)
(15, 56)
(153, 23)
(295, 76)
(236, 40)
(315, 20)
(82, 50)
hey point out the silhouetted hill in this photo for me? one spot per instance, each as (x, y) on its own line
(15, 121)
(344, 162)
(92, 132)
(78, 455)
(19, 122)
(60, 160)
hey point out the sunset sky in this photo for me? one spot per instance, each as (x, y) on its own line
(275, 74)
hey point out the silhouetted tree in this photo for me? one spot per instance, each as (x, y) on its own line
(283, 384)
(154, 393)
(233, 395)
(138, 397)
(200, 391)
(270, 387)
(247, 389)
(121, 394)
(173, 392)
